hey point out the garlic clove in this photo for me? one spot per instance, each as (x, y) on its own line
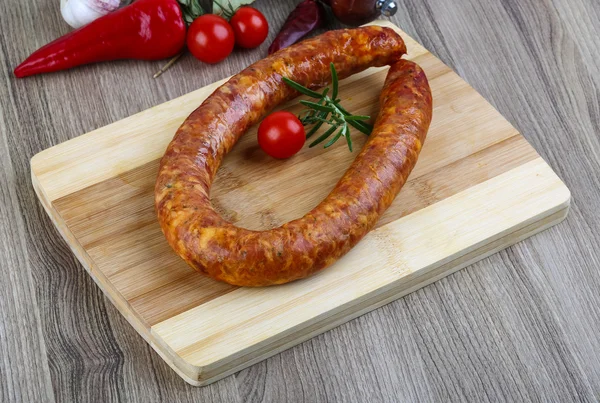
(78, 13)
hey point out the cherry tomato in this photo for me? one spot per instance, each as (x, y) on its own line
(281, 134)
(250, 27)
(210, 38)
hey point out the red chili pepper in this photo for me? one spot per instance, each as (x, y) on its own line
(146, 30)
(306, 17)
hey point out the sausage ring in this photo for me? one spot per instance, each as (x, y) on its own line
(301, 247)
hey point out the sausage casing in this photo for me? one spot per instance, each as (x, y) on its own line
(304, 246)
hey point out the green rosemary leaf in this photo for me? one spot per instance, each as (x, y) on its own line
(357, 117)
(314, 129)
(336, 137)
(323, 137)
(316, 106)
(346, 113)
(356, 124)
(312, 116)
(328, 121)
(334, 81)
(302, 89)
(341, 108)
(364, 127)
(348, 139)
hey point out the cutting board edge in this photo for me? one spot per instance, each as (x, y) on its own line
(205, 375)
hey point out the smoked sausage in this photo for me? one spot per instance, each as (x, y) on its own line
(299, 248)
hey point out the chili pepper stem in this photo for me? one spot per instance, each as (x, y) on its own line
(168, 65)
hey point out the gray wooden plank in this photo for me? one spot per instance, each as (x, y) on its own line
(23, 360)
(521, 325)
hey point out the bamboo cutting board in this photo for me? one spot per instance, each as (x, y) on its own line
(478, 187)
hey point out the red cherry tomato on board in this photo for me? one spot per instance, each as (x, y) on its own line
(281, 135)
(210, 38)
(250, 27)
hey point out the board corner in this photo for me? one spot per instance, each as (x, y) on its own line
(190, 372)
(566, 197)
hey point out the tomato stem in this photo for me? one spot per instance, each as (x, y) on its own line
(168, 65)
(226, 13)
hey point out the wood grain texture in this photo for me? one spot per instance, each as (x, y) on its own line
(520, 326)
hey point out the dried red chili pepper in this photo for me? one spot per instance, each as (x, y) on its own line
(306, 17)
(358, 12)
(145, 30)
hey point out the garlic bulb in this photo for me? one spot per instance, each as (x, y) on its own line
(78, 13)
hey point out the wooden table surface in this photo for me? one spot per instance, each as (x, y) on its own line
(522, 325)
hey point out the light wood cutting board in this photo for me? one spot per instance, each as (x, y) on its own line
(478, 187)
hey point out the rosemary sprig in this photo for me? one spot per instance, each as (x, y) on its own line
(327, 109)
